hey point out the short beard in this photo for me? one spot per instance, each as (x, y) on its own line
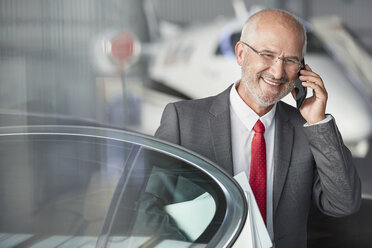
(249, 85)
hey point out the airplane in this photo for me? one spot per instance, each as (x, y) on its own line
(199, 61)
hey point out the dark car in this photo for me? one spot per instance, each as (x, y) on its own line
(76, 186)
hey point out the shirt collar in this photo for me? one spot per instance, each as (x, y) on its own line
(246, 115)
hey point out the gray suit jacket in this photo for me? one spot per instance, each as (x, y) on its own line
(311, 163)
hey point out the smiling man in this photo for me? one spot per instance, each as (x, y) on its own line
(291, 157)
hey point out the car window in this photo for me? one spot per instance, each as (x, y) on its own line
(57, 186)
(68, 189)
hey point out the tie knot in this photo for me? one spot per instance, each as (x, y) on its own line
(259, 127)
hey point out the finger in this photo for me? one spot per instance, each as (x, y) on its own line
(308, 73)
(317, 89)
(308, 67)
(315, 86)
(312, 78)
(309, 76)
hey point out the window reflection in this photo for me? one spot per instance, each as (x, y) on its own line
(68, 189)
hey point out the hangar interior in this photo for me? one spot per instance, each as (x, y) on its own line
(57, 59)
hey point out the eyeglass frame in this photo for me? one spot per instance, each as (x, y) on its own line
(274, 60)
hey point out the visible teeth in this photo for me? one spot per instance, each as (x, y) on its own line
(271, 83)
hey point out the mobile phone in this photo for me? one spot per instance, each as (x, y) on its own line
(300, 90)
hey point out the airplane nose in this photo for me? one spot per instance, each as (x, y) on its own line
(350, 107)
(356, 129)
(358, 123)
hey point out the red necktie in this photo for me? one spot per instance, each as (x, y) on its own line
(257, 177)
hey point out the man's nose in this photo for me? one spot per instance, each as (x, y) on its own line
(277, 68)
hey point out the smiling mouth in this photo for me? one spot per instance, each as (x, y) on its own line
(271, 83)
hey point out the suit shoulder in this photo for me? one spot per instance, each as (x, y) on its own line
(215, 103)
(292, 113)
(195, 103)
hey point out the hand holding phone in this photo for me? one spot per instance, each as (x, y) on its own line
(300, 90)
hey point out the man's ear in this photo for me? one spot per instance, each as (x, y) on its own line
(239, 53)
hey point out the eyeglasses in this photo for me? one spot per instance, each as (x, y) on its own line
(291, 65)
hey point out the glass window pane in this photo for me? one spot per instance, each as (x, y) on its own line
(57, 185)
(168, 199)
(68, 187)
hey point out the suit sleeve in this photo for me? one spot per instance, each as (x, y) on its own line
(337, 187)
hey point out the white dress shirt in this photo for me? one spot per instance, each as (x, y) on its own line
(243, 118)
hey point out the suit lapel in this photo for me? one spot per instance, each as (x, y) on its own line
(284, 132)
(220, 126)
